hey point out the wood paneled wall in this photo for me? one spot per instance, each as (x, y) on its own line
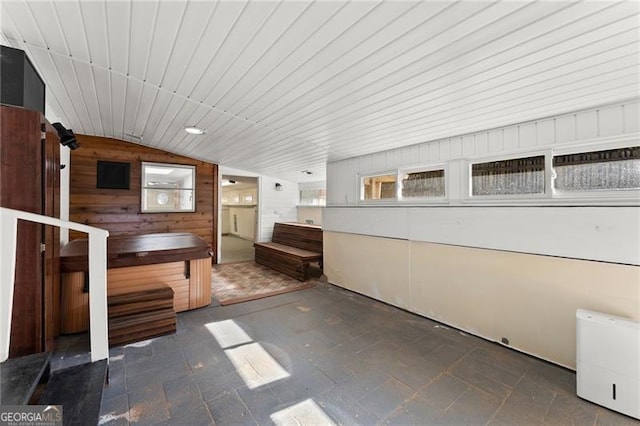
(29, 181)
(118, 210)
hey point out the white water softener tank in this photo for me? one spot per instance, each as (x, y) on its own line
(608, 361)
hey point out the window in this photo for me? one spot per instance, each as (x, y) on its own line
(613, 169)
(313, 197)
(423, 184)
(509, 177)
(168, 188)
(379, 187)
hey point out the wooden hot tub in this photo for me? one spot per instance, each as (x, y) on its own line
(180, 260)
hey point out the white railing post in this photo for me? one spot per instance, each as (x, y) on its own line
(8, 239)
(99, 332)
(98, 298)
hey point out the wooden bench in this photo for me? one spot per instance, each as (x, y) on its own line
(140, 314)
(293, 247)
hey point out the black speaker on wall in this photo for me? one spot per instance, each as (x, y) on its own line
(113, 175)
(20, 84)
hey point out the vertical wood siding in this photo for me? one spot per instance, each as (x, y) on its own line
(118, 210)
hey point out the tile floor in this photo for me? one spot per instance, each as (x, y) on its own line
(235, 249)
(326, 355)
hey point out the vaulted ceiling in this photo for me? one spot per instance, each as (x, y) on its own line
(282, 87)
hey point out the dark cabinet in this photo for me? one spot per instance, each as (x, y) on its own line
(30, 181)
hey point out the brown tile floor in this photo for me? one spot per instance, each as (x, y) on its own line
(327, 355)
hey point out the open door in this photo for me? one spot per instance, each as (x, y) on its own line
(239, 217)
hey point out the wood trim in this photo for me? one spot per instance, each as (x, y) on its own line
(200, 283)
(51, 207)
(21, 181)
(74, 304)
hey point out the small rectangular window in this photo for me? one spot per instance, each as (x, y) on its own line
(610, 170)
(423, 184)
(313, 197)
(379, 187)
(168, 188)
(508, 177)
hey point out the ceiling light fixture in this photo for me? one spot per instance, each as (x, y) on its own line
(194, 130)
(226, 182)
(307, 172)
(132, 136)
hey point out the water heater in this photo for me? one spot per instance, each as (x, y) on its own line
(608, 361)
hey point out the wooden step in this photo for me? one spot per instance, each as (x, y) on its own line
(119, 296)
(116, 311)
(141, 314)
(139, 322)
(79, 390)
(19, 377)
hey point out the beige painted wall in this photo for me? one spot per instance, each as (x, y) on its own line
(377, 267)
(529, 299)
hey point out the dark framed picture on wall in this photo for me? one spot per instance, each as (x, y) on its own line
(113, 175)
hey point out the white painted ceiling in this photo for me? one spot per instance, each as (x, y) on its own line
(282, 87)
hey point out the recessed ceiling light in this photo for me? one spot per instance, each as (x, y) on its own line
(194, 130)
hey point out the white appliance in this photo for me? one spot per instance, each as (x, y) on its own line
(608, 361)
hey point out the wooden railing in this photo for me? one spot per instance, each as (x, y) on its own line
(97, 277)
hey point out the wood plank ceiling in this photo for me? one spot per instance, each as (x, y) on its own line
(282, 87)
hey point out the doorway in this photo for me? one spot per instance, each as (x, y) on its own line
(239, 218)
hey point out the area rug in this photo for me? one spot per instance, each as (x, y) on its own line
(243, 281)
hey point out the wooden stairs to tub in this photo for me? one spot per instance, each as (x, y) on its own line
(140, 314)
(28, 380)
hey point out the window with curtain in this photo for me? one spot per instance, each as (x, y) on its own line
(508, 177)
(423, 184)
(612, 169)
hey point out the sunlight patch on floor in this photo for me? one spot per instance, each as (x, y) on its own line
(306, 412)
(255, 365)
(252, 362)
(228, 333)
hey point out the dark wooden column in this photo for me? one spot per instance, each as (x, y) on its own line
(29, 181)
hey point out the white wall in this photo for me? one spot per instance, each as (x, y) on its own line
(608, 234)
(500, 268)
(245, 219)
(312, 213)
(606, 125)
(275, 206)
(225, 221)
(603, 229)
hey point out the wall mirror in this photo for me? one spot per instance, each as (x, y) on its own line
(168, 188)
